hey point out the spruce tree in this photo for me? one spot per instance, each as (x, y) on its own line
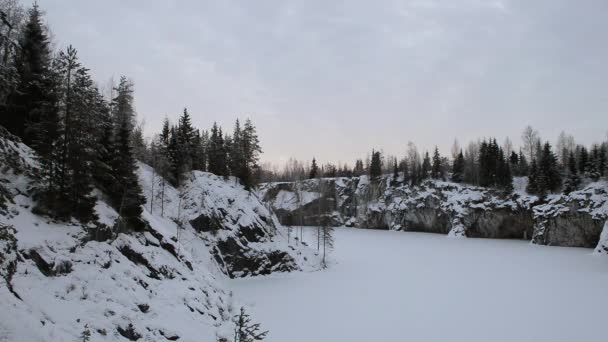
(126, 195)
(573, 180)
(601, 161)
(33, 95)
(251, 153)
(523, 167)
(237, 162)
(375, 169)
(549, 169)
(185, 139)
(583, 159)
(74, 154)
(212, 150)
(458, 168)
(103, 174)
(245, 330)
(436, 167)
(359, 169)
(314, 169)
(426, 167)
(406, 171)
(592, 163)
(532, 187)
(395, 172)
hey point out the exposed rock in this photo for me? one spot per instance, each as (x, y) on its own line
(143, 307)
(238, 260)
(443, 207)
(602, 246)
(129, 332)
(572, 220)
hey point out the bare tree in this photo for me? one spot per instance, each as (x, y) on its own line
(507, 147)
(530, 139)
(565, 144)
(455, 149)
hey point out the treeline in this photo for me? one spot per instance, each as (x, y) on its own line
(181, 148)
(87, 141)
(485, 163)
(83, 140)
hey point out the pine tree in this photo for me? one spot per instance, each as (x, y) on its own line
(523, 167)
(549, 169)
(251, 151)
(217, 152)
(601, 161)
(245, 330)
(175, 175)
(395, 172)
(212, 150)
(583, 159)
(504, 178)
(436, 166)
(126, 195)
(238, 164)
(375, 169)
(185, 139)
(593, 163)
(140, 150)
(573, 180)
(203, 148)
(359, 169)
(406, 171)
(314, 169)
(458, 168)
(426, 167)
(85, 336)
(532, 187)
(74, 154)
(103, 174)
(11, 22)
(514, 163)
(33, 95)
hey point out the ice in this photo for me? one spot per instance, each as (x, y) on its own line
(394, 286)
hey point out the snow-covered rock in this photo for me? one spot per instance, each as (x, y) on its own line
(602, 245)
(447, 208)
(577, 218)
(60, 279)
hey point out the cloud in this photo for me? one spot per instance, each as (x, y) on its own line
(335, 78)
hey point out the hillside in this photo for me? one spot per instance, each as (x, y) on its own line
(61, 279)
(441, 207)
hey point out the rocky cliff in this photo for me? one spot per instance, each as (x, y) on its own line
(443, 207)
(60, 280)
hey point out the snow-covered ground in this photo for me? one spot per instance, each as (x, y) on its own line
(390, 286)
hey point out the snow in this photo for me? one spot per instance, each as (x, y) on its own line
(602, 245)
(102, 284)
(392, 286)
(288, 200)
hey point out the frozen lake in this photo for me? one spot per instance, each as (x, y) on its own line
(396, 286)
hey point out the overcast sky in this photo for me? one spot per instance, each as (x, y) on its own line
(333, 79)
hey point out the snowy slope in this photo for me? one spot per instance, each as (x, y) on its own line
(161, 284)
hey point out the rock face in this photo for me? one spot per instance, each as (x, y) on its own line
(443, 207)
(243, 235)
(573, 220)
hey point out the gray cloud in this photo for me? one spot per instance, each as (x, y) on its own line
(336, 78)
